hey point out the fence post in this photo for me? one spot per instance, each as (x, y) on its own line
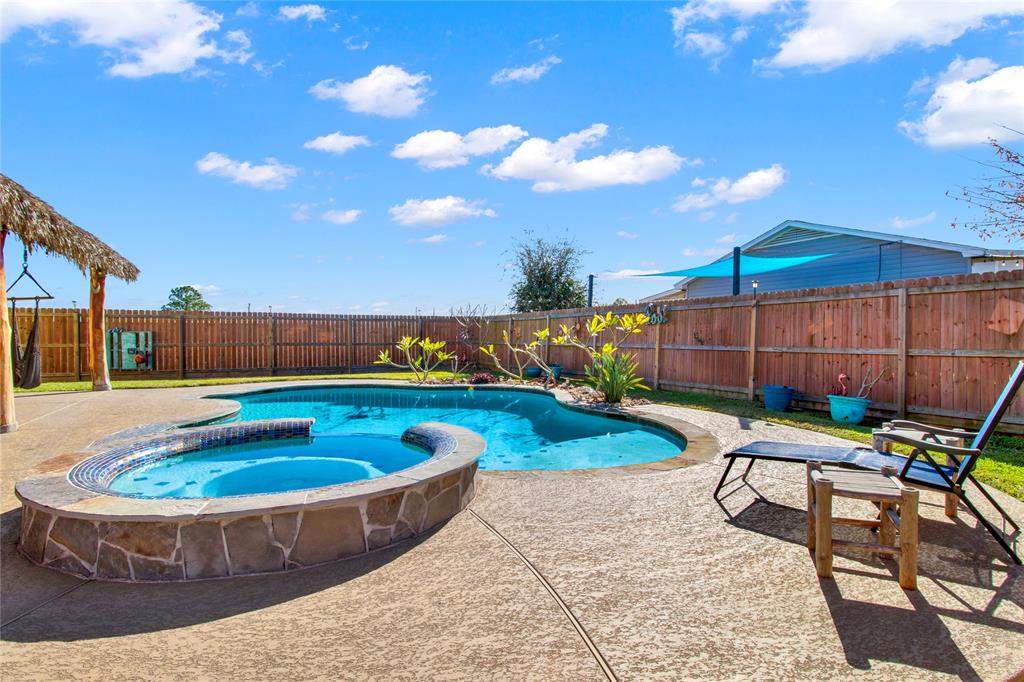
(752, 356)
(547, 341)
(78, 345)
(657, 357)
(181, 345)
(508, 347)
(273, 344)
(901, 352)
(351, 342)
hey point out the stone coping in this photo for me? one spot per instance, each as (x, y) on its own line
(701, 444)
(453, 447)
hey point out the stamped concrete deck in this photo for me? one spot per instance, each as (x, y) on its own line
(661, 582)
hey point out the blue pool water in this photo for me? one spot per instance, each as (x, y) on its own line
(271, 466)
(522, 430)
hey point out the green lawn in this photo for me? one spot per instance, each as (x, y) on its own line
(1002, 465)
(223, 381)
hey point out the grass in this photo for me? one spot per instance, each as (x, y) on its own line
(1001, 466)
(47, 386)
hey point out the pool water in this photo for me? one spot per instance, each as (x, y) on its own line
(523, 430)
(271, 466)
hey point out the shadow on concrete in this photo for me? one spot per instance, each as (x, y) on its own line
(40, 604)
(954, 556)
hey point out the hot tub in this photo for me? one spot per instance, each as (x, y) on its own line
(99, 522)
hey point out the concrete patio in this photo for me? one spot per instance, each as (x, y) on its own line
(547, 576)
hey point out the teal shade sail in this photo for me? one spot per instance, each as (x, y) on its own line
(749, 265)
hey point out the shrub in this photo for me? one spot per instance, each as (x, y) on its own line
(612, 371)
(483, 378)
(422, 356)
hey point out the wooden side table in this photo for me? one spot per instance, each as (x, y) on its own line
(895, 502)
(882, 444)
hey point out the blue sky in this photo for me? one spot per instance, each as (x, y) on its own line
(384, 157)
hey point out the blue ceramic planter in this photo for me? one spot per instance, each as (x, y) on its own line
(532, 372)
(556, 371)
(778, 398)
(848, 410)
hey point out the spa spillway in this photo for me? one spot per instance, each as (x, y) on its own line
(245, 498)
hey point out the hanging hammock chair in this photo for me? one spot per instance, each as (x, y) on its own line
(28, 364)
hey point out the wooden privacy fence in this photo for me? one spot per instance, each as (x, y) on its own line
(206, 344)
(949, 344)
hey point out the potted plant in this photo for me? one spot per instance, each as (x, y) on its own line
(777, 398)
(556, 370)
(850, 409)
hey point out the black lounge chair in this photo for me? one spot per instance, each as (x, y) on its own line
(920, 468)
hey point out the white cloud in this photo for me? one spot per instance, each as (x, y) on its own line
(706, 216)
(624, 273)
(727, 238)
(438, 211)
(552, 166)
(386, 91)
(707, 44)
(826, 34)
(377, 305)
(207, 289)
(336, 143)
(141, 38)
(272, 174)
(838, 32)
(756, 184)
(623, 234)
(249, 9)
(342, 217)
(307, 12)
(525, 74)
(898, 223)
(355, 44)
(434, 149)
(689, 22)
(241, 53)
(707, 253)
(971, 102)
(434, 239)
(300, 212)
(478, 243)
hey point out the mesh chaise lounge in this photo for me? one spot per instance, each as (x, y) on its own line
(920, 468)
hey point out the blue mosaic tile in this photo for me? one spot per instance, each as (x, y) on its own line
(96, 473)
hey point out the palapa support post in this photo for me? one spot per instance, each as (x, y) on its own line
(8, 422)
(98, 371)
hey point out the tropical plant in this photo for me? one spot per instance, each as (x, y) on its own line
(483, 378)
(612, 371)
(522, 354)
(421, 356)
(185, 298)
(545, 275)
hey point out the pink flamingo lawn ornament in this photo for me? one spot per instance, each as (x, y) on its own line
(843, 390)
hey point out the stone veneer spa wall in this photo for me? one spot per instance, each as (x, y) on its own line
(101, 536)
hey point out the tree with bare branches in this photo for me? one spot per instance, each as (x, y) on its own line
(1000, 197)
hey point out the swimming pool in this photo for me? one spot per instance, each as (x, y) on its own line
(522, 429)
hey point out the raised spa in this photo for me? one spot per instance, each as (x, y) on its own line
(271, 466)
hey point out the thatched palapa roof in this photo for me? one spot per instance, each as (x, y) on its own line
(37, 224)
